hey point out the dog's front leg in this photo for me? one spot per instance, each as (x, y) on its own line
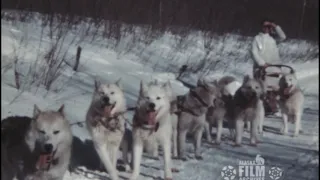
(239, 131)
(284, 129)
(104, 155)
(261, 117)
(297, 121)
(207, 129)
(253, 132)
(248, 123)
(166, 145)
(219, 130)
(113, 155)
(197, 143)
(137, 155)
(182, 140)
(175, 143)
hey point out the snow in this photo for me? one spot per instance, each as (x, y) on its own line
(297, 156)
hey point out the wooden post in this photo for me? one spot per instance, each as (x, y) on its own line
(75, 68)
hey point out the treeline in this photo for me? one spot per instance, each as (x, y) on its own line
(298, 18)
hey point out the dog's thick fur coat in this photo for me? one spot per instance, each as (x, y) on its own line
(291, 102)
(152, 125)
(106, 123)
(192, 117)
(47, 131)
(247, 106)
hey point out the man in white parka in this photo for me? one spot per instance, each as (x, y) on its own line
(264, 52)
(264, 48)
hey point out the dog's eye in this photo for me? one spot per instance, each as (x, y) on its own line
(158, 98)
(112, 93)
(148, 97)
(101, 93)
(257, 87)
(56, 132)
(42, 132)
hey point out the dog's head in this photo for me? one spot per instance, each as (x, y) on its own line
(251, 88)
(206, 91)
(288, 81)
(109, 96)
(153, 100)
(52, 129)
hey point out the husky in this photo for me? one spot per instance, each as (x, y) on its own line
(192, 116)
(174, 118)
(106, 123)
(36, 148)
(152, 123)
(247, 106)
(291, 102)
(227, 87)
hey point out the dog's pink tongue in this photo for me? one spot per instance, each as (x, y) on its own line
(152, 118)
(287, 90)
(107, 111)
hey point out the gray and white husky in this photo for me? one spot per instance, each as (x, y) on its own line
(291, 102)
(41, 149)
(152, 126)
(247, 106)
(106, 123)
(227, 86)
(192, 117)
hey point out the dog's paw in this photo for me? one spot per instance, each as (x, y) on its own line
(284, 132)
(198, 157)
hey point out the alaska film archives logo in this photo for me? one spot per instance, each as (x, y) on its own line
(251, 170)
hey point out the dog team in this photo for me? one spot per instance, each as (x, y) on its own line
(40, 147)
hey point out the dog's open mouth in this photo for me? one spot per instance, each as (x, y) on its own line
(286, 90)
(107, 109)
(151, 119)
(45, 160)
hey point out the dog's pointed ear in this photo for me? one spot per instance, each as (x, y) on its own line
(166, 85)
(246, 78)
(118, 83)
(36, 111)
(61, 110)
(141, 91)
(97, 84)
(156, 82)
(200, 82)
(215, 82)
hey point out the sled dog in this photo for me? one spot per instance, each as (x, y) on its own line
(37, 148)
(247, 106)
(192, 115)
(291, 102)
(106, 123)
(152, 125)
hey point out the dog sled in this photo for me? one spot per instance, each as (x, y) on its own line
(270, 76)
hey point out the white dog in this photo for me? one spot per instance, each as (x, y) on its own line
(151, 123)
(106, 123)
(291, 102)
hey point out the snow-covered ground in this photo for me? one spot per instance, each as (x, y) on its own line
(298, 157)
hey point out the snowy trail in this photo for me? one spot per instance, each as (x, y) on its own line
(296, 156)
